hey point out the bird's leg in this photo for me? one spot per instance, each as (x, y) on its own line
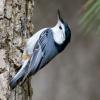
(17, 68)
(20, 49)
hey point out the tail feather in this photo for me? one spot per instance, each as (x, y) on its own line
(13, 83)
(19, 76)
(15, 80)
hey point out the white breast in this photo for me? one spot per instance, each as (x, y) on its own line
(59, 36)
(32, 41)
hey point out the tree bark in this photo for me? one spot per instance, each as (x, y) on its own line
(15, 27)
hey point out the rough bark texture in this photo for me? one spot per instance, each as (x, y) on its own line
(15, 27)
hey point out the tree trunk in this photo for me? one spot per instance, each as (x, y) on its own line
(15, 27)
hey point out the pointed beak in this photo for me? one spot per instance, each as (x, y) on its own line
(59, 15)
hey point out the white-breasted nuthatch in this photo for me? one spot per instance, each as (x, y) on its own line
(41, 48)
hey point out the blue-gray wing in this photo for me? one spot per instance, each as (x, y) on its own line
(38, 54)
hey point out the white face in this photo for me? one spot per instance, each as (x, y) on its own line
(59, 33)
(61, 27)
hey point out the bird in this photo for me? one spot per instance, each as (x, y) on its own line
(41, 48)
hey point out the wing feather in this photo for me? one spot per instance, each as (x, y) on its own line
(38, 54)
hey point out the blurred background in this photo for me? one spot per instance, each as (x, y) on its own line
(75, 73)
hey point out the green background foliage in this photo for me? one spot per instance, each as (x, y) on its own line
(90, 19)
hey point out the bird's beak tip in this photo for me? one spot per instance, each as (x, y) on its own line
(58, 14)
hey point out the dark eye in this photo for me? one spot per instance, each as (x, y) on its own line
(60, 27)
